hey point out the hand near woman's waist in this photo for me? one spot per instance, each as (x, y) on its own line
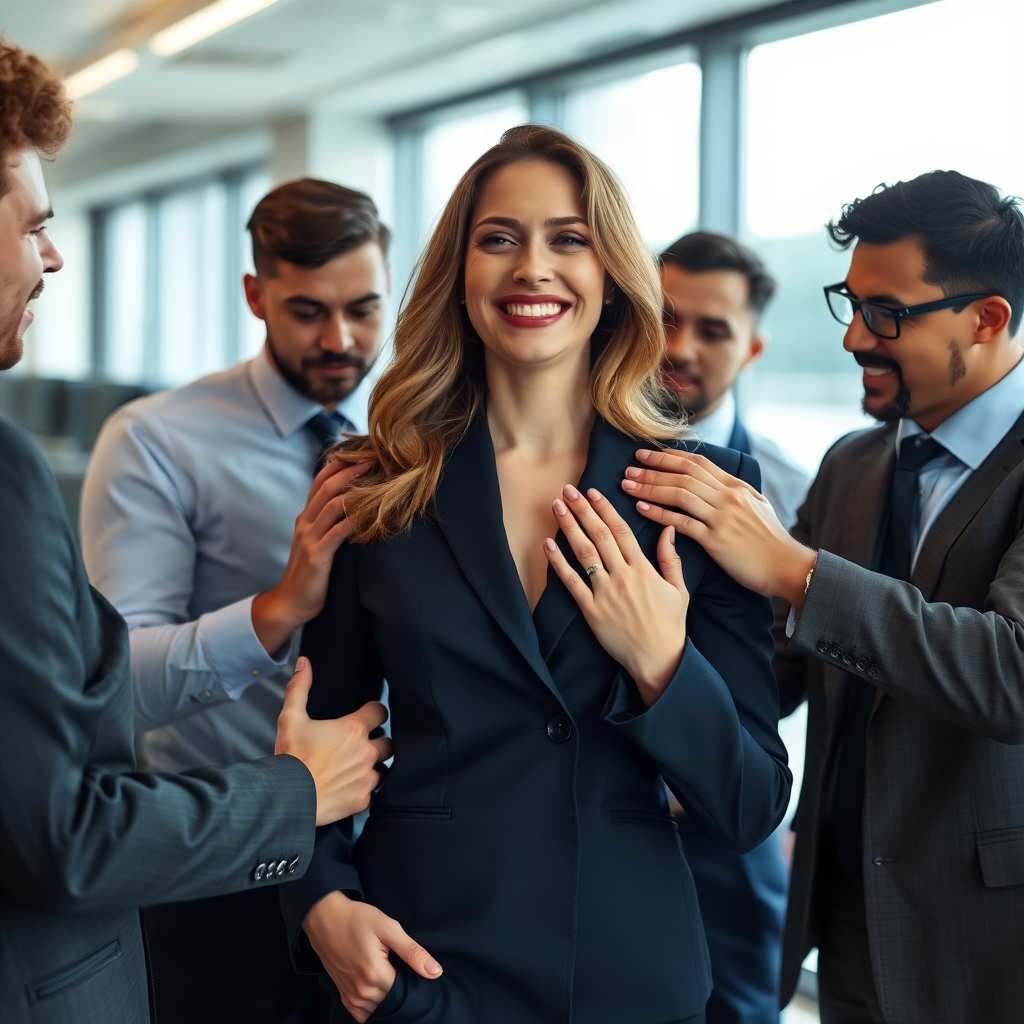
(353, 941)
(637, 614)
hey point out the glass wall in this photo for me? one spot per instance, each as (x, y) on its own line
(647, 129)
(829, 116)
(169, 290)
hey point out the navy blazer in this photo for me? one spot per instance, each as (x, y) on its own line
(523, 835)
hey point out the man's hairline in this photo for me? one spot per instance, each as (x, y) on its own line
(275, 260)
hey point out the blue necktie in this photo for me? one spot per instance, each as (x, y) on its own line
(327, 428)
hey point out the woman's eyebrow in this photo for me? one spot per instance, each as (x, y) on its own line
(511, 222)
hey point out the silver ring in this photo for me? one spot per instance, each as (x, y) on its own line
(591, 569)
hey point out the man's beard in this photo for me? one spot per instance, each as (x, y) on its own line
(697, 400)
(900, 405)
(11, 345)
(328, 392)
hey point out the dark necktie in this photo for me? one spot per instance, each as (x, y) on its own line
(326, 427)
(844, 788)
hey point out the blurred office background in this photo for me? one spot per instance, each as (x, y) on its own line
(745, 116)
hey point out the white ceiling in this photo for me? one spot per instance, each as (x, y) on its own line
(375, 57)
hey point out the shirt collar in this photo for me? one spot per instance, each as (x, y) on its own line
(289, 410)
(972, 433)
(716, 428)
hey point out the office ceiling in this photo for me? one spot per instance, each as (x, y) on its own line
(378, 57)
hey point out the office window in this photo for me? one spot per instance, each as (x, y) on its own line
(647, 129)
(451, 146)
(830, 115)
(170, 291)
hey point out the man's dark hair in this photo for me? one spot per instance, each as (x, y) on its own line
(310, 222)
(703, 251)
(973, 239)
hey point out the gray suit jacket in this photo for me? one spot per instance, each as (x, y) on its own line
(84, 838)
(944, 787)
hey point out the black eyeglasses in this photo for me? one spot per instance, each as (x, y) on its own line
(884, 320)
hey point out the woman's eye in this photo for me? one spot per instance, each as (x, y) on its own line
(570, 240)
(497, 241)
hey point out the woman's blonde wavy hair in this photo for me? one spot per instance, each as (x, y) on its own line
(424, 402)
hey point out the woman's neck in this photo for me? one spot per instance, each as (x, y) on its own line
(541, 411)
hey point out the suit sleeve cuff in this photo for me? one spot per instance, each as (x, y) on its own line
(233, 650)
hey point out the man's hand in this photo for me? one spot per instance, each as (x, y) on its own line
(732, 522)
(320, 529)
(353, 941)
(338, 753)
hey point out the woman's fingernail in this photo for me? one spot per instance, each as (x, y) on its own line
(432, 966)
(633, 472)
(560, 508)
(629, 485)
(549, 545)
(643, 506)
(594, 494)
(643, 454)
(301, 663)
(570, 492)
(671, 535)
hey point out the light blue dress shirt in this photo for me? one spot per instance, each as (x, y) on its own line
(783, 482)
(187, 513)
(969, 435)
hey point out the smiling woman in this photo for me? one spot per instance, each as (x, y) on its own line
(542, 692)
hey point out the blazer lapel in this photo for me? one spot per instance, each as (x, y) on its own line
(964, 506)
(607, 457)
(469, 513)
(859, 536)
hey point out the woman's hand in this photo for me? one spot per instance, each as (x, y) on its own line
(637, 615)
(353, 940)
(732, 522)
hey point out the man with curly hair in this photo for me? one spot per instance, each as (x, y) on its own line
(85, 838)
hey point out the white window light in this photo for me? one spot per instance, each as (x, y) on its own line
(203, 24)
(102, 72)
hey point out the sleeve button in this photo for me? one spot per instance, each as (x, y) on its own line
(836, 651)
(822, 647)
(861, 664)
(259, 872)
(255, 672)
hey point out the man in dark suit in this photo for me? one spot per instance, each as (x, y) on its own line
(902, 592)
(84, 838)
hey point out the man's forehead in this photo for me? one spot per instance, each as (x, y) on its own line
(718, 292)
(27, 189)
(344, 278)
(894, 267)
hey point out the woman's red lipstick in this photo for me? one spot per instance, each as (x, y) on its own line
(529, 311)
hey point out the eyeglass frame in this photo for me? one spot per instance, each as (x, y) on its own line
(895, 313)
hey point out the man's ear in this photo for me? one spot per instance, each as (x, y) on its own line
(993, 317)
(758, 343)
(253, 295)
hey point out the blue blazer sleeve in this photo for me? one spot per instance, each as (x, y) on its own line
(713, 733)
(347, 673)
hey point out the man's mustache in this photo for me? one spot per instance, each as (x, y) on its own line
(873, 360)
(330, 359)
(673, 366)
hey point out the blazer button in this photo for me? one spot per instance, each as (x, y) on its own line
(559, 729)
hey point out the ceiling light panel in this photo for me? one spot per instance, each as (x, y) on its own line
(204, 23)
(104, 71)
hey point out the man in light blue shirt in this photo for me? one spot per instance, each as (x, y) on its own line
(195, 524)
(714, 291)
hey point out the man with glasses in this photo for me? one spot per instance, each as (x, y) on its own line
(901, 618)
